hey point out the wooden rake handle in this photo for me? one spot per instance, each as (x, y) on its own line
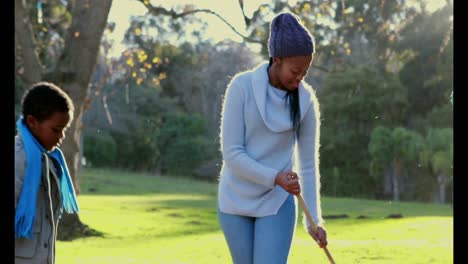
(312, 224)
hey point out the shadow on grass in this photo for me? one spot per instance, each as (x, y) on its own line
(76, 231)
(193, 217)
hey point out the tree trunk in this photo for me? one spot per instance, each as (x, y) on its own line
(395, 176)
(70, 227)
(25, 44)
(387, 193)
(73, 73)
(442, 184)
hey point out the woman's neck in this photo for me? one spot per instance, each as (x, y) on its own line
(273, 78)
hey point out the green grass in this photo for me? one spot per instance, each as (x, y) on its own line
(152, 219)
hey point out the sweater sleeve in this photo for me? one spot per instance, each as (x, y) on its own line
(233, 141)
(308, 163)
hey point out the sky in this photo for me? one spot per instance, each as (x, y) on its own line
(122, 10)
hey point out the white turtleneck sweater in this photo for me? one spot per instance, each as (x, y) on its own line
(257, 142)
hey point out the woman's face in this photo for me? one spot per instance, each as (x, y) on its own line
(291, 70)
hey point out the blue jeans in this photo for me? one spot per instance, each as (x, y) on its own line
(260, 240)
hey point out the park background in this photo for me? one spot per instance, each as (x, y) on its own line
(148, 78)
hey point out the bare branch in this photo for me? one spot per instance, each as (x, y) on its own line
(108, 114)
(162, 11)
(246, 19)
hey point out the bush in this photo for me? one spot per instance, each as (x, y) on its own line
(184, 144)
(99, 149)
(186, 154)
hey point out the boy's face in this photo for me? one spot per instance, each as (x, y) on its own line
(50, 131)
(292, 70)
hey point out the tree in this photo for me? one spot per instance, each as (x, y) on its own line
(194, 74)
(380, 146)
(81, 29)
(353, 103)
(60, 44)
(437, 156)
(429, 72)
(394, 148)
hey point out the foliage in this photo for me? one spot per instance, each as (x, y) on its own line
(396, 149)
(381, 63)
(352, 104)
(438, 117)
(429, 74)
(99, 149)
(438, 154)
(380, 146)
(152, 134)
(183, 143)
(194, 74)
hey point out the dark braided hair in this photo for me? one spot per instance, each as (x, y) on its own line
(292, 98)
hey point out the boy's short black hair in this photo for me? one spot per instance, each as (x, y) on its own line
(44, 99)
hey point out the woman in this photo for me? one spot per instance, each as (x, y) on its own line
(268, 114)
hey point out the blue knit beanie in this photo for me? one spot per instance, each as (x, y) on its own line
(288, 37)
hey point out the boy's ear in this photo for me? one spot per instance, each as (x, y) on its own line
(31, 121)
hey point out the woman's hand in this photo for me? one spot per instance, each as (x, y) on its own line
(289, 181)
(320, 237)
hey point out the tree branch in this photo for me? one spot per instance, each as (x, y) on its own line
(162, 11)
(246, 19)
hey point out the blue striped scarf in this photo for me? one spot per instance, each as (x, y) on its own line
(26, 208)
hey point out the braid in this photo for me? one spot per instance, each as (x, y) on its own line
(294, 110)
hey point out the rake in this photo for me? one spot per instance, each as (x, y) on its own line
(312, 224)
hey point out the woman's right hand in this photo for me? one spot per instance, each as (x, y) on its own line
(289, 181)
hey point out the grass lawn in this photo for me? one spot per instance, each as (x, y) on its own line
(153, 219)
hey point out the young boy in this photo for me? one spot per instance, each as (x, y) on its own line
(43, 186)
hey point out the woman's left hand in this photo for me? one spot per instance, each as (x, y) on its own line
(320, 237)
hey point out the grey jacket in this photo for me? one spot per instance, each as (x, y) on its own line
(40, 249)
